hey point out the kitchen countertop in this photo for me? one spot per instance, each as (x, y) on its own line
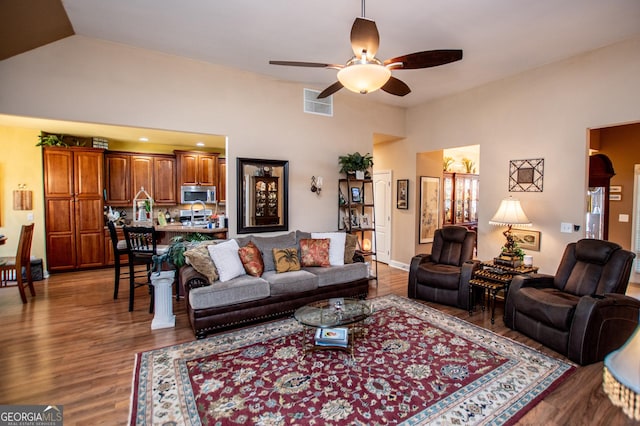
(187, 229)
(180, 228)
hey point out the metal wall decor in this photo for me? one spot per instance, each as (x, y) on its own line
(526, 175)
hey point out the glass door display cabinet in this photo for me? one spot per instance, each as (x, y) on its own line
(266, 200)
(460, 199)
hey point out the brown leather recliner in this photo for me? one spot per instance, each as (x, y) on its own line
(582, 311)
(443, 276)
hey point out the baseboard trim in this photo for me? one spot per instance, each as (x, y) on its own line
(399, 265)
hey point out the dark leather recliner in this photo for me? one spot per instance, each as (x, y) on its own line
(443, 276)
(582, 311)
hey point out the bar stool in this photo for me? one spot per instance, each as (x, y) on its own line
(119, 249)
(143, 248)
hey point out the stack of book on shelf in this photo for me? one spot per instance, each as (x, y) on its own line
(332, 337)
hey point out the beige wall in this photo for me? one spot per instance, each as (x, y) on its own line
(81, 79)
(543, 113)
(20, 163)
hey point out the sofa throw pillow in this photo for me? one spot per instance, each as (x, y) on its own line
(336, 247)
(200, 259)
(286, 259)
(251, 259)
(227, 260)
(267, 244)
(314, 252)
(350, 245)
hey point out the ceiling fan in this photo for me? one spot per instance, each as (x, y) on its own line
(364, 73)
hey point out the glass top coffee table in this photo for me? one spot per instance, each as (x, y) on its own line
(333, 313)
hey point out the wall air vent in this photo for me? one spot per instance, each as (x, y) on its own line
(313, 105)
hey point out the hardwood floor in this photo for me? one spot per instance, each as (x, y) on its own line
(73, 345)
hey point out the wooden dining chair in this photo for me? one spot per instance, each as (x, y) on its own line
(11, 267)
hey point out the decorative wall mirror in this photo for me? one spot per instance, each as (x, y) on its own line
(263, 195)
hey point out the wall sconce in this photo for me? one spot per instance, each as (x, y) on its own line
(22, 198)
(316, 184)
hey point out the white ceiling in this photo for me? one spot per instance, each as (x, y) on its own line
(499, 37)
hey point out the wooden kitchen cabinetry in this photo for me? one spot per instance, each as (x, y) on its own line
(222, 181)
(74, 219)
(128, 172)
(197, 168)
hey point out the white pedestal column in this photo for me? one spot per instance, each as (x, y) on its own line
(163, 308)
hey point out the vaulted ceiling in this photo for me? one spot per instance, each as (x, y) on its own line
(499, 37)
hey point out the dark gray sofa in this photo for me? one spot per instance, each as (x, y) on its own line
(218, 306)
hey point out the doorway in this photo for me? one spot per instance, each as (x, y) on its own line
(635, 240)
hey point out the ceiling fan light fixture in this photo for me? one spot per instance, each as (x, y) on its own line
(362, 77)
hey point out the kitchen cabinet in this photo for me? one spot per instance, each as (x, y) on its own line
(73, 196)
(222, 180)
(142, 174)
(460, 199)
(108, 248)
(197, 168)
(126, 173)
(164, 180)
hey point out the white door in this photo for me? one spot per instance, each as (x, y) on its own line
(382, 194)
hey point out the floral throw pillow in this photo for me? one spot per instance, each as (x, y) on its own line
(286, 260)
(314, 251)
(251, 259)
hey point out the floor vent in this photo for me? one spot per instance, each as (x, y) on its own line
(313, 105)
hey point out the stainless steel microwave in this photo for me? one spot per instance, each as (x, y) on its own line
(189, 194)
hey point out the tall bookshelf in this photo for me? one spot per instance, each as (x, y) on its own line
(356, 215)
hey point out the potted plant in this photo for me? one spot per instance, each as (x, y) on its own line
(356, 162)
(49, 139)
(179, 244)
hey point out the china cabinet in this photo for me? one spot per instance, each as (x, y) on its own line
(266, 200)
(460, 199)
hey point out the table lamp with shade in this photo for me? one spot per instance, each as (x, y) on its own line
(621, 380)
(509, 213)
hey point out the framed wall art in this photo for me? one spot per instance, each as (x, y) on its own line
(526, 239)
(402, 194)
(429, 208)
(355, 195)
(526, 175)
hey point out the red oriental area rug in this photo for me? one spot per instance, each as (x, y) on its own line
(414, 365)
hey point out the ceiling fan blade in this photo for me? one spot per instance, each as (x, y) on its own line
(364, 36)
(396, 87)
(429, 58)
(330, 90)
(305, 64)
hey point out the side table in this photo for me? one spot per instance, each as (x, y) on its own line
(492, 278)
